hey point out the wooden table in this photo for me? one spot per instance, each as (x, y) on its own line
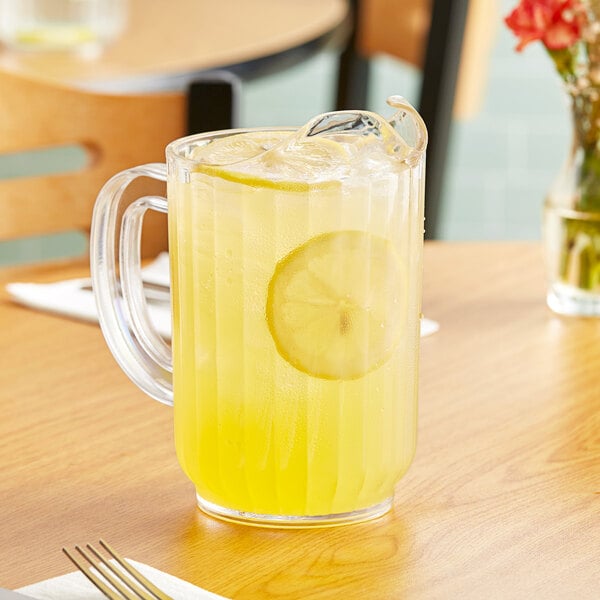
(167, 41)
(502, 501)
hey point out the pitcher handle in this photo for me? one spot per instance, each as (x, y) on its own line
(122, 309)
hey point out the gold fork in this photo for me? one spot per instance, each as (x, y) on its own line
(114, 576)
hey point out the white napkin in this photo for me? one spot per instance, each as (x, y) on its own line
(428, 326)
(75, 586)
(70, 299)
(158, 270)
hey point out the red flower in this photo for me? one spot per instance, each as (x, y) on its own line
(557, 23)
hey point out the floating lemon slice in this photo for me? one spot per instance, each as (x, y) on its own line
(238, 147)
(56, 35)
(263, 159)
(335, 304)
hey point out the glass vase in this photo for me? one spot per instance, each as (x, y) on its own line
(572, 232)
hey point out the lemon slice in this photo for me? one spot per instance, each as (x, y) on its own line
(335, 304)
(238, 147)
(263, 159)
(56, 35)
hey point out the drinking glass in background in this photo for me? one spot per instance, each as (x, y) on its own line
(51, 25)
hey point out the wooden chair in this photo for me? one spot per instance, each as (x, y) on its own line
(449, 40)
(116, 132)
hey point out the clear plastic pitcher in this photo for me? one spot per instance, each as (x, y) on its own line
(296, 259)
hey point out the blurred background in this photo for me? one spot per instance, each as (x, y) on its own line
(501, 160)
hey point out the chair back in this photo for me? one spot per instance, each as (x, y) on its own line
(400, 29)
(450, 42)
(114, 131)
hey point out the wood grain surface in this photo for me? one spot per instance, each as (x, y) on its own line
(171, 37)
(502, 501)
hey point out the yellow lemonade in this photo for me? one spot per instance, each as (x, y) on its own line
(296, 283)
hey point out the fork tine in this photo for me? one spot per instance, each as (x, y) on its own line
(108, 592)
(115, 577)
(114, 574)
(134, 572)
